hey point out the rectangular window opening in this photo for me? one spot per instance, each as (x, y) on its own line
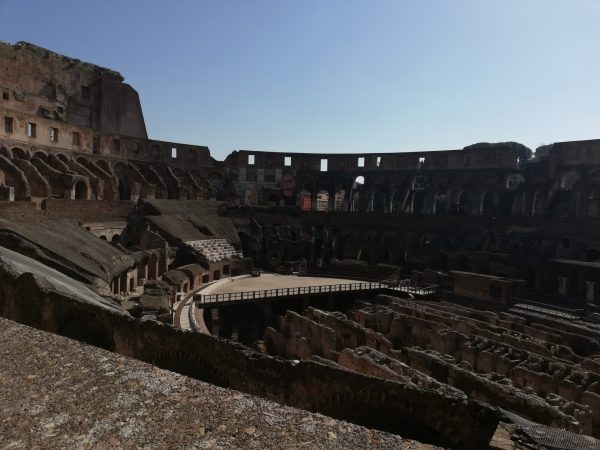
(53, 134)
(117, 145)
(76, 138)
(174, 152)
(421, 162)
(5, 95)
(136, 147)
(287, 161)
(86, 93)
(31, 129)
(323, 165)
(379, 161)
(8, 124)
(361, 161)
(250, 160)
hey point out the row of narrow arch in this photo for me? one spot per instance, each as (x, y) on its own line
(35, 174)
(486, 203)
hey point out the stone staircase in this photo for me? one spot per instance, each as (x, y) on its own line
(215, 250)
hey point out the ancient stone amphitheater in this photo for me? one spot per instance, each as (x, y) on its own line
(154, 296)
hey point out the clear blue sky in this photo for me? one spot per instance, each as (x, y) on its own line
(338, 75)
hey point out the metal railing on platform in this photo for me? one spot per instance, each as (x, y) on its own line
(211, 299)
(549, 309)
(286, 292)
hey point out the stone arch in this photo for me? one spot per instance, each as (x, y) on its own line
(576, 284)
(305, 200)
(357, 190)
(120, 171)
(83, 161)
(419, 183)
(506, 203)
(19, 153)
(538, 204)
(81, 190)
(378, 199)
(489, 204)
(514, 181)
(322, 200)
(251, 196)
(364, 254)
(440, 202)
(418, 202)
(64, 158)
(463, 204)
(40, 154)
(16, 178)
(338, 200)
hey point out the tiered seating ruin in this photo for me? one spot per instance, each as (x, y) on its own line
(216, 250)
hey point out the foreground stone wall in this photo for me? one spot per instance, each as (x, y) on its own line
(449, 418)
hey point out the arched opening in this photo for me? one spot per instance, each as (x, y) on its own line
(440, 202)
(116, 238)
(507, 199)
(418, 202)
(81, 191)
(488, 204)
(251, 196)
(121, 172)
(363, 254)
(19, 153)
(318, 252)
(355, 197)
(83, 161)
(576, 285)
(378, 200)
(338, 202)
(305, 200)
(396, 202)
(538, 204)
(463, 205)
(103, 237)
(322, 200)
(41, 155)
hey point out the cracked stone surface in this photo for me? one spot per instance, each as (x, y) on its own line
(60, 393)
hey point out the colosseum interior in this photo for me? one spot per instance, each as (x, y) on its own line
(392, 300)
